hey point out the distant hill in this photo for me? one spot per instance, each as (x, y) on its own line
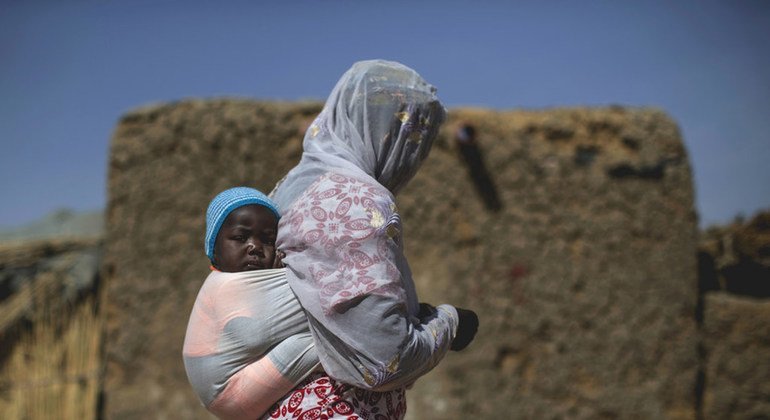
(64, 223)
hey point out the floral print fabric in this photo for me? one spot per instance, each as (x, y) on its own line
(346, 265)
(321, 397)
(339, 215)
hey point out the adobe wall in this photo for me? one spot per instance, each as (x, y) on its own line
(581, 264)
(586, 276)
(734, 315)
(737, 353)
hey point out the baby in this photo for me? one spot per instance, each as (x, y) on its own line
(247, 342)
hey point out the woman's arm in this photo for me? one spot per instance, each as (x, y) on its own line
(342, 241)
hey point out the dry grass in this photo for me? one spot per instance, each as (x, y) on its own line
(53, 370)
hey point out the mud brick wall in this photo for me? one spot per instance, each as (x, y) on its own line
(585, 278)
(581, 265)
(734, 317)
(737, 349)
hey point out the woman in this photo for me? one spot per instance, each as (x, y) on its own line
(341, 236)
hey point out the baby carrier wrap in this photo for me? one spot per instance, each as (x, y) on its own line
(247, 342)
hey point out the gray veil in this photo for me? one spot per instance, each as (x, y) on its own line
(380, 119)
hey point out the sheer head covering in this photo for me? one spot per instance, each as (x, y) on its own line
(380, 119)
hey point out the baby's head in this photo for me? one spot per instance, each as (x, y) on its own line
(241, 227)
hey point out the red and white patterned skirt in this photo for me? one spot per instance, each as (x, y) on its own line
(320, 397)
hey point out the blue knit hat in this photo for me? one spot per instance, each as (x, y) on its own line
(227, 201)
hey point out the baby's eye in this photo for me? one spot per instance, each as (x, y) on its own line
(239, 238)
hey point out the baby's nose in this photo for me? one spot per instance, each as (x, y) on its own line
(254, 247)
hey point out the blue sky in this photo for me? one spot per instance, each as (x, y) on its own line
(68, 70)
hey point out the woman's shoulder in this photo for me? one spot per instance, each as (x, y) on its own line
(339, 193)
(342, 184)
(338, 204)
(335, 185)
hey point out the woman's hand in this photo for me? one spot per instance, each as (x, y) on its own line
(466, 329)
(426, 310)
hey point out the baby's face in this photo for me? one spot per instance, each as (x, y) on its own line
(246, 240)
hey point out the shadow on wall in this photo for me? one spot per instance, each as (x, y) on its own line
(473, 157)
